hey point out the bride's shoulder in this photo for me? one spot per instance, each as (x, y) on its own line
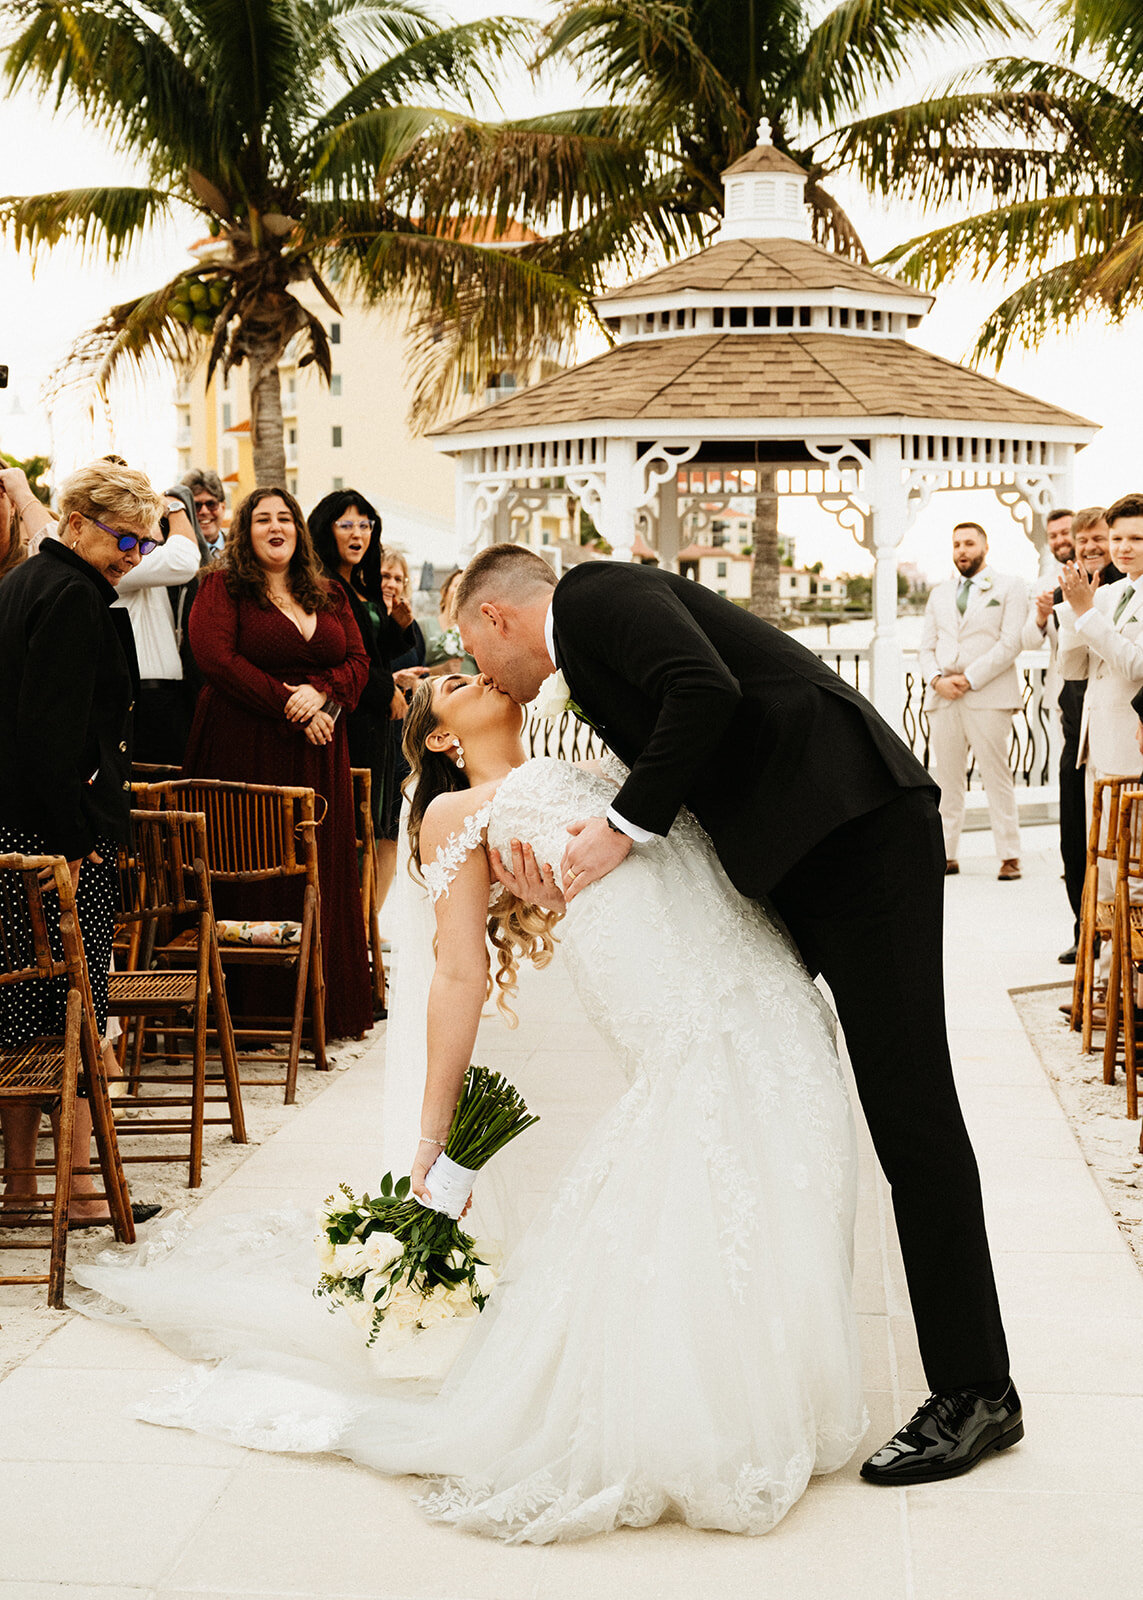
(451, 812)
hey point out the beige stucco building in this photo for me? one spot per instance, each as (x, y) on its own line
(353, 433)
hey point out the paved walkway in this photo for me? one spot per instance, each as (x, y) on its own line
(95, 1505)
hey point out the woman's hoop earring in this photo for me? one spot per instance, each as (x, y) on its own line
(459, 755)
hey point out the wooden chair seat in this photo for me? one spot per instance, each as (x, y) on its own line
(1097, 916)
(277, 955)
(35, 1066)
(1126, 948)
(127, 991)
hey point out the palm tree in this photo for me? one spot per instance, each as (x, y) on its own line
(686, 83)
(1055, 152)
(291, 132)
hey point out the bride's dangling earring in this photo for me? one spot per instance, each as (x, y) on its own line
(459, 755)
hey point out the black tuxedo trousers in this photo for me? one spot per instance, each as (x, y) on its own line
(865, 909)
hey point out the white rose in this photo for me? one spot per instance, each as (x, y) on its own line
(349, 1259)
(552, 700)
(434, 1308)
(381, 1250)
(325, 1251)
(401, 1309)
(485, 1279)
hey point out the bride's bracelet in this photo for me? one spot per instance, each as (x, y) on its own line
(440, 1142)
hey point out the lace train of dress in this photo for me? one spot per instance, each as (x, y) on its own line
(674, 1335)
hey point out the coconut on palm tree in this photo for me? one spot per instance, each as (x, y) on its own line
(291, 130)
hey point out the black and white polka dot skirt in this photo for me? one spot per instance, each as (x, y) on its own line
(29, 1010)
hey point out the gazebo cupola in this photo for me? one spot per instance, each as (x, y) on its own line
(764, 364)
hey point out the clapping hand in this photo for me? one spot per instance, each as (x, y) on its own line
(1044, 607)
(529, 880)
(402, 613)
(1078, 587)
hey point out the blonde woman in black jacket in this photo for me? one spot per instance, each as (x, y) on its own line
(68, 679)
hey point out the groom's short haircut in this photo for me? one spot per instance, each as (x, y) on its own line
(508, 572)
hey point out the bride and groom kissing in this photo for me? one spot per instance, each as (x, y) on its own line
(674, 1335)
(817, 808)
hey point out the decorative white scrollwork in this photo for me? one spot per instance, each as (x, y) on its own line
(850, 513)
(659, 463)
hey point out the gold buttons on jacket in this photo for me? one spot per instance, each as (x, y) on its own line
(123, 746)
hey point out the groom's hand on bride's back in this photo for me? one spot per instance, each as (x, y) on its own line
(529, 880)
(595, 850)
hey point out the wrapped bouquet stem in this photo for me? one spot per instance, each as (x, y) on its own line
(398, 1260)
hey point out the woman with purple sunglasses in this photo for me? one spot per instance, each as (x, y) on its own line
(68, 680)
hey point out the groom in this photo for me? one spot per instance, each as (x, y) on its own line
(814, 804)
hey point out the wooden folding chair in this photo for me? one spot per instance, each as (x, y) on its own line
(367, 855)
(1126, 948)
(163, 882)
(45, 1072)
(260, 833)
(1096, 915)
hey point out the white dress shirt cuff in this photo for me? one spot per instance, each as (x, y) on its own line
(1082, 624)
(631, 829)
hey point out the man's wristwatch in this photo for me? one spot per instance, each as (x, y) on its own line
(615, 828)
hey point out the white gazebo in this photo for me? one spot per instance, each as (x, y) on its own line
(764, 352)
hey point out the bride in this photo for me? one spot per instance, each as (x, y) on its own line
(674, 1335)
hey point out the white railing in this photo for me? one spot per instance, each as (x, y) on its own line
(1033, 752)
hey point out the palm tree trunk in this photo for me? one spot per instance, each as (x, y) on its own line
(764, 594)
(267, 433)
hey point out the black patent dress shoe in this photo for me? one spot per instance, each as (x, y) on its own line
(1067, 958)
(948, 1435)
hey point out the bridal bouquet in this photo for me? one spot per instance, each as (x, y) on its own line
(397, 1260)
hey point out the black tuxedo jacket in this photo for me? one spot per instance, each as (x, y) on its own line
(713, 709)
(68, 676)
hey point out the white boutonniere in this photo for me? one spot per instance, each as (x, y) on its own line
(985, 584)
(554, 698)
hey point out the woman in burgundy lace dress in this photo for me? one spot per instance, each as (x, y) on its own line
(281, 655)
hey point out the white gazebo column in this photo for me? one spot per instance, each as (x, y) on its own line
(620, 499)
(889, 512)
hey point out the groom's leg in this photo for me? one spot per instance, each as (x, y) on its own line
(866, 907)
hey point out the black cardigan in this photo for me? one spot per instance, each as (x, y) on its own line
(68, 676)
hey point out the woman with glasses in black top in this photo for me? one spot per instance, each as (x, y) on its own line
(68, 679)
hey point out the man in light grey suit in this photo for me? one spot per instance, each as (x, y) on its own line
(969, 644)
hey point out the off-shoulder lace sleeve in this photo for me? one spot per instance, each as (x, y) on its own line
(450, 857)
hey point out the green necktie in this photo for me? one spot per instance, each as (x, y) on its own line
(962, 595)
(1124, 601)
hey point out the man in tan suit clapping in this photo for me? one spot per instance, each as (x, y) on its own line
(969, 644)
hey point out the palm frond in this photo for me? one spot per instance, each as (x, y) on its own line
(861, 45)
(129, 337)
(1060, 297)
(106, 221)
(645, 52)
(454, 62)
(1016, 238)
(357, 156)
(1112, 29)
(832, 226)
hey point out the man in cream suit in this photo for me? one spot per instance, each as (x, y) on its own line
(971, 638)
(1101, 638)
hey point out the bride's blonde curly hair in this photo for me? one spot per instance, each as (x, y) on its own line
(517, 930)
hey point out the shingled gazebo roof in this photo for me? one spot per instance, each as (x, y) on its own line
(788, 375)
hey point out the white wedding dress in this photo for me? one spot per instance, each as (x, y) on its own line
(674, 1335)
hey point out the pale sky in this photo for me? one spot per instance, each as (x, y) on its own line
(1093, 372)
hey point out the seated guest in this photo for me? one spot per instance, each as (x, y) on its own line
(67, 684)
(281, 656)
(162, 715)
